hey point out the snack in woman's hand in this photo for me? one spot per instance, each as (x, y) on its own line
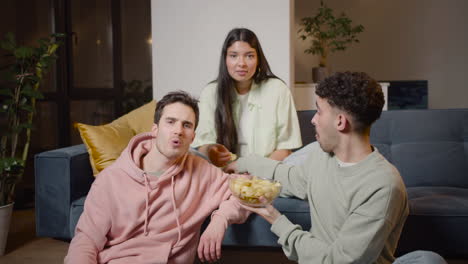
(250, 190)
(233, 157)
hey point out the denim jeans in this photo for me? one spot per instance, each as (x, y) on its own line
(420, 257)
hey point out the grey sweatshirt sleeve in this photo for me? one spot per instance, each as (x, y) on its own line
(292, 178)
(360, 239)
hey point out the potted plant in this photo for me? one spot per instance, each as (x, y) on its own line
(21, 79)
(328, 34)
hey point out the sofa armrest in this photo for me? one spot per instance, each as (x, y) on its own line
(62, 176)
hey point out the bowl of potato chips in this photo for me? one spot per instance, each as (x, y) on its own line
(249, 191)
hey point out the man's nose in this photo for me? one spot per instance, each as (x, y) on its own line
(178, 128)
(313, 120)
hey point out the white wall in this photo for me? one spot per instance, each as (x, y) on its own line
(188, 36)
(403, 40)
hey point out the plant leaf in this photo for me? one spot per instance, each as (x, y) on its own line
(32, 93)
(23, 52)
(26, 107)
(10, 164)
(329, 33)
(26, 125)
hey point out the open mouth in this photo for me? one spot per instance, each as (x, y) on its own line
(176, 142)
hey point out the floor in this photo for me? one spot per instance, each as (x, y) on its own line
(24, 247)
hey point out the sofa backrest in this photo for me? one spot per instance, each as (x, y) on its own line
(429, 147)
(307, 129)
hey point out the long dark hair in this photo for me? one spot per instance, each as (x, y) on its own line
(224, 119)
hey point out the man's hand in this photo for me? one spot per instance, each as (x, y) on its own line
(209, 248)
(268, 212)
(219, 155)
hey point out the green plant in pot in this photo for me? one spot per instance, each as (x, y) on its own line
(19, 90)
(328, 34)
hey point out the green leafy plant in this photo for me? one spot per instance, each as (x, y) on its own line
(328, 33)
(21, 79)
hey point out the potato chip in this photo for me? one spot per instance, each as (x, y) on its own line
(250, 190)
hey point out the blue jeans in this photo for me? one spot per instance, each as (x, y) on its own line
(420, 257)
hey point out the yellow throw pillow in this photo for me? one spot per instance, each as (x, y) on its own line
(105, 143)
(139, 120)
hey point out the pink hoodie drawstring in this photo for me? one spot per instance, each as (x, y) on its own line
(179, 228)
(146, 198)
(174, 207)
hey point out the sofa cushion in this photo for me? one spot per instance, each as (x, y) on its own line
(438, 201)
(384, 149)
(446, 235)
(437, 221)
(424, 163)
(76, 209)
(425, 145)
(105, 143)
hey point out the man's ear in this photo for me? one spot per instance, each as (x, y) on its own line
(154, 130)
(342, 122)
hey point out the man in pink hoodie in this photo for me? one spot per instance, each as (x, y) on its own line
(149, 205)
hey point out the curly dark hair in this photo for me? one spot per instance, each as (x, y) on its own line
(176, 97)
(355, 93)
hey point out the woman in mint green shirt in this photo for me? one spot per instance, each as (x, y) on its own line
(247, 109)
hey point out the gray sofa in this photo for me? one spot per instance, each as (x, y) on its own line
(429, 147)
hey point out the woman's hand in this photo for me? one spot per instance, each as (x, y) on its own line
(219, 155)
(280, 154)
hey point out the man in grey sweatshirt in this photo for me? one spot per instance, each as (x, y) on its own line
(357, 199)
